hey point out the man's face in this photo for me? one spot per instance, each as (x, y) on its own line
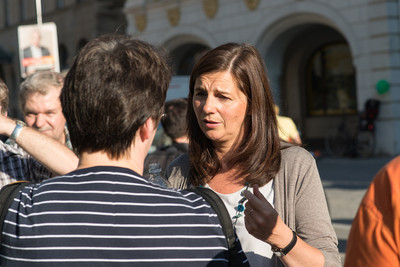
(35, 39)
(44, 113)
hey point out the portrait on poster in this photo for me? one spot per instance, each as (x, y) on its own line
(38, 48)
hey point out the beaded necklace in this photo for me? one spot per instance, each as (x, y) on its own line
(240, 207)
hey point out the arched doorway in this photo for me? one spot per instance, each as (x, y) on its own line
(313, 78)
(330, 81)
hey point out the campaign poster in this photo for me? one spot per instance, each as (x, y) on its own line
(38, 48)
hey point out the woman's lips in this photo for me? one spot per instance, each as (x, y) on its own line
(210, 124)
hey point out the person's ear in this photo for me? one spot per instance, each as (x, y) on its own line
(146, 130)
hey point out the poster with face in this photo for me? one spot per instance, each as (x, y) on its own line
(38, 48)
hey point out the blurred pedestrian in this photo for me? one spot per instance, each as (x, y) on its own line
(174, 125)
(287, 128)
(374, 238)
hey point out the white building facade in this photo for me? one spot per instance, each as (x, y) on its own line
(325, 58)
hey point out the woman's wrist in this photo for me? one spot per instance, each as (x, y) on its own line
(281, 252)
(282, 237)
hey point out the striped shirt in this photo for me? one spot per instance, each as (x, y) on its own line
(16, 164)
(110, 216)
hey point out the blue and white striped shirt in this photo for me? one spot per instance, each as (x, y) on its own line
(110, 216)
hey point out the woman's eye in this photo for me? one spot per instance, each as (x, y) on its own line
(199, 93)
(223, 97)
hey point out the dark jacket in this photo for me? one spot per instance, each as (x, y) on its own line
(164, 155)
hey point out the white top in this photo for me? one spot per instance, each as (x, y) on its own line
(36, 52)
(258, 252)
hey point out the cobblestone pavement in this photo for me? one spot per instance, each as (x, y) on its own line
(345, 181)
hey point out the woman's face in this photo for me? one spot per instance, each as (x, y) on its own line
(220, 108)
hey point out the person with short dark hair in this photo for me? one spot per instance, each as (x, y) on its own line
(174, 125)
(105, 212)
(174, 121)
(272, 190)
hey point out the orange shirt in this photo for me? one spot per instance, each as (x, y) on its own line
(374, 238)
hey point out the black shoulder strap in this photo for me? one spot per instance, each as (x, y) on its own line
(216, 203)
(7, 194)
(214, 200)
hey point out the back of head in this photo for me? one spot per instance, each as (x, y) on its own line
(114, 85)
(259, 148)
(174, 123)
(39, 82)
(3, 97)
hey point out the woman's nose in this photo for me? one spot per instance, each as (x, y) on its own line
(209, 105)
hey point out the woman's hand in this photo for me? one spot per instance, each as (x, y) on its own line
(263, 222)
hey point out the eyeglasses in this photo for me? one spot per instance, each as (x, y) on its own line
(163, 116)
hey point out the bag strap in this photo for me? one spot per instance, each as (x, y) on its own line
(216, 203)
(7, 195)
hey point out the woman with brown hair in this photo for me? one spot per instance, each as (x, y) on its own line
(235, 150)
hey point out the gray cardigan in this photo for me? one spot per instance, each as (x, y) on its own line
(299, 199)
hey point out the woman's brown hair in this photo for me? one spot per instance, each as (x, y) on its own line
(257, 155)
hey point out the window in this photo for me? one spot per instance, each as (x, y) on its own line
(331, 81)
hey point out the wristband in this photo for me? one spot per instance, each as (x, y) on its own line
(16, 131)
(284, 251)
